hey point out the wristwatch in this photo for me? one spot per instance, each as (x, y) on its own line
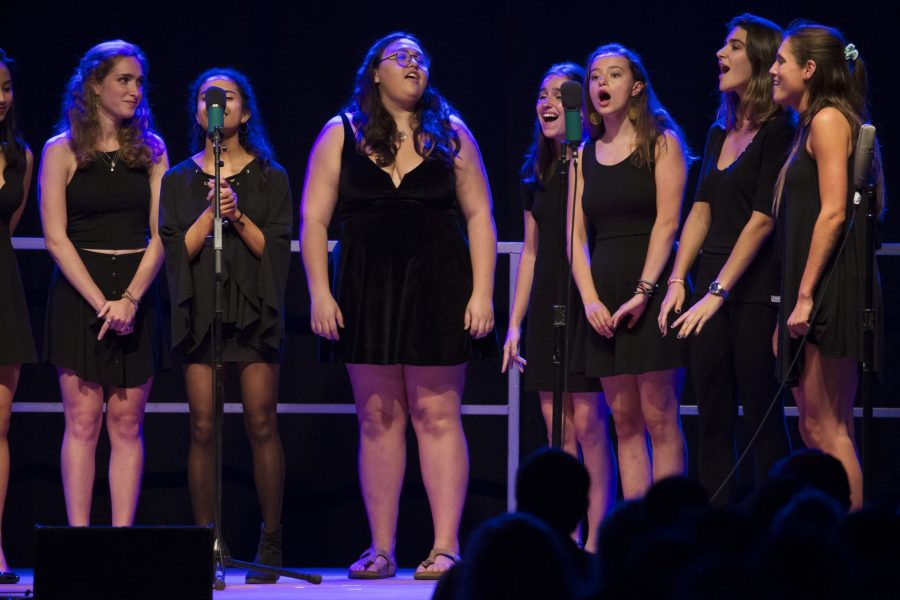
(716, 289)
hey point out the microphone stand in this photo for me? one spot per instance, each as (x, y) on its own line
(221, 557)
(560, 309)
(867, 383)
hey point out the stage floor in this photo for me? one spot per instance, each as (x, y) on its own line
(334, 586)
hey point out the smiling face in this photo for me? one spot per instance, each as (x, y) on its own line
(120, 92)
(611, 84)
(6, 91)
(235, 111)
(790, 78)
(398, 85)
(735, 67)
(549, 108)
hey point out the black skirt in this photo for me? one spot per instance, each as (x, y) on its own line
(18, 344)
(70, 340)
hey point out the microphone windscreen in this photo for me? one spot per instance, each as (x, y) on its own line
(865, 153)
(571, 95)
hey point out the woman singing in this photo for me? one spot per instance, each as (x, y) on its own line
(541, 282)
(634, 173)
(409, 296)
(737, 279)
(823, 78)
(99, 196)
(256, 201)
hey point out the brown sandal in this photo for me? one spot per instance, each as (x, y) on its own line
(432, 556)
(368, 559)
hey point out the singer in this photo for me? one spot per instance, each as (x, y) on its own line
(634, 172)
(823, 78)
(737, 280)
(540, 284)
(256, 200)
(409, 296)
(99, 197)
(16, 163)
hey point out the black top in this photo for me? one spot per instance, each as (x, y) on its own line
(253, 287)
(631, 210)
(733, 193)
(108, 207)
(11, 193)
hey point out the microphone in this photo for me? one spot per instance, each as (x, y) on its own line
(865, 153)
(215, 109)
(571, 101)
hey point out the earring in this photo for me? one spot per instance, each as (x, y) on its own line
(594, 118)
(633, 113)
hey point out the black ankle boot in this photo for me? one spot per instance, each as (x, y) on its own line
(269, 553)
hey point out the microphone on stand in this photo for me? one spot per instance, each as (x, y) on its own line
(862, 160)
(215, 109)
(571, 100)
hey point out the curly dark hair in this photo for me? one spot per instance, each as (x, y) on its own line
(12, 144)
(251, 135)
(139, 146)
(376, 132)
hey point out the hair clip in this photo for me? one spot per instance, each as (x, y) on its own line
(850, 52)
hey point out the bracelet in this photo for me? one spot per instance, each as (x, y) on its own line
(239, 219)
(127, 296)
(676, 280)
(645, 287)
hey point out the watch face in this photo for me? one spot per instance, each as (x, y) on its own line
(716, 289)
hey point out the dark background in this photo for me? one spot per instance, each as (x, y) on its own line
(301, 57)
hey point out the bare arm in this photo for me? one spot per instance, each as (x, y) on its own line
(474, 197)
(320, 192)
(524, 279)
(26, 184)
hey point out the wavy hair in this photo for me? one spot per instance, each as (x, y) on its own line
(838, 81)
(647, 114)
(12, 144)
(756, 105)
(543, 151)
(433, 133)
(139, 146)
(251, 135)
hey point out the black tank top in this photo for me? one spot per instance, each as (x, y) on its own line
(108, 208)
(619, 200)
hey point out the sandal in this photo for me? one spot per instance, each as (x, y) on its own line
(432, 556)
(368, 559)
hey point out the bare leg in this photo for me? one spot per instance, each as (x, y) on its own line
(83, 409)
(827, 392)
(659, 407)
(591, 420)
(125, 424)
(9, 380)
(435, 399)
(381, 409)
(259, 390)
(568, 433)
(200, 467)
(624, 401)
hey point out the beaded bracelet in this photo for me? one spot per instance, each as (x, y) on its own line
(676, 280)
(127, 296)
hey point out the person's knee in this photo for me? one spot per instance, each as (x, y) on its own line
(124, 426)
(262, 426)
(83, 425)
(436, 422)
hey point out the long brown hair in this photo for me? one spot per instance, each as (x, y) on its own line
(756, 105)
(649, 117)
(139, 145)
(840, 81)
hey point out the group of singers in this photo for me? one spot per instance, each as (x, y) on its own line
(409, 299)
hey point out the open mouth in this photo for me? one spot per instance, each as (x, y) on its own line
(412, 75)
(724, 68)
(549, 117)
(603, 98)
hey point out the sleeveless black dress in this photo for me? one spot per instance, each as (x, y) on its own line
(550, 277)
(18, 344)
(619, 202)
(402, 272)
(839, 297)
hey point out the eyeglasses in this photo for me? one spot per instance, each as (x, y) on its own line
(404, 59)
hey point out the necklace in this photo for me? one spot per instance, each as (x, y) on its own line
(401, 135)
(110, 161)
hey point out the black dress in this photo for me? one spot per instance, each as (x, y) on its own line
(18, 344)
(835, 325)
(402, 271)
(253, 315)
(619, 202)
(550, 276)
(106, 209)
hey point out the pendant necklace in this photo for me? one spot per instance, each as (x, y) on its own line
(111, 162)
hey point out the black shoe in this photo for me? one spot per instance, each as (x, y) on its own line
(8, 577)
(269, 553)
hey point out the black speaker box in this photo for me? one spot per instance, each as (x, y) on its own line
(123, 563)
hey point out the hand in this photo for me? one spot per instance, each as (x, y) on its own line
(118, 315)
(698, 315)
(598, 316)
(479, 319)
(634, 308)
(325, 316)
(228, 203)
(511, 350)
(798, 321)
(674, 299)
(775, 341)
